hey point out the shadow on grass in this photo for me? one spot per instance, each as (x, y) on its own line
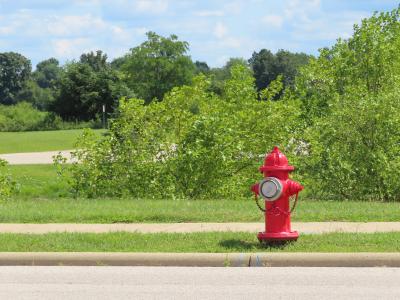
(245, 245)
(238, 244)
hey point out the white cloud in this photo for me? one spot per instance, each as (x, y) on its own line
(7, 30)
(220, 30)
(13, 24)
(301, 8)
(307, 21)
(141, 30)
(44, 28)
(233, 7)
(210, 13)
(75, 25)
(120, 34)
(273, 21)
(68, 35)
(87, 2)
(314, 3)
(152, 6)
(231, 42)
(322, 26)
(68, 48)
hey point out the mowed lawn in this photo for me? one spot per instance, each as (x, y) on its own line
(203, 242)
(130, 210)
(38, 141)
(38, 181)
(44, 198)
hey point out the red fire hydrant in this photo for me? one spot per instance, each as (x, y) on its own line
(276, 188)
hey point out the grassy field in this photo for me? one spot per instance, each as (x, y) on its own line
(38, 181)
(44, 198)
(36, 141)
(208, 242)
(67, 210)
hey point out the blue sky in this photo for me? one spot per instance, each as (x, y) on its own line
(215, 30)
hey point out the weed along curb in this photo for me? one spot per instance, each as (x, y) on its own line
(201, 259)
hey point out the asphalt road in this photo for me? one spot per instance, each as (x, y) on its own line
(198, 283)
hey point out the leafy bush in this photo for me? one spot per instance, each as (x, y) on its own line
(23, 117)
(351, 102)
(20, 117)
(355, 150)
(7, 185)
(339, 125)
(193, 143)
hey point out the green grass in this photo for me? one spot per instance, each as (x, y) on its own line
(38, 181)
(66, 210)
(206, 242)
(43, 198)
(37, 141)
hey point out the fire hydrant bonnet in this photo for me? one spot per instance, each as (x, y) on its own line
(276, 161)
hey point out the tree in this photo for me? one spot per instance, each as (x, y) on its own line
(220, 75)
(41, 88)
(96, 61)
(202, 67)
(40, 98)
(351, 106)
(267, 66)
(47, 73)
(118, 62)
(15, 70)
(157, 65)
(288, 64)
(86, 86)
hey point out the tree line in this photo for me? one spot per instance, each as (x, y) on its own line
(188, 130)
(337, 120)
(77, 90)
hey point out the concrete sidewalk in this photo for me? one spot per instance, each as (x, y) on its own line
(35, 157)
(302, 227)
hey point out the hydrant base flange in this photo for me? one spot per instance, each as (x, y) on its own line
(277, 236)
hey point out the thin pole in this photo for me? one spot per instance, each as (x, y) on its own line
(104, 116)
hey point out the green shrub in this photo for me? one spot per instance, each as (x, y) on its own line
(20, 117)
(24, 117)
(355, 149)
(351, 102)
(339, 126)
(7, 185)
(192, 144)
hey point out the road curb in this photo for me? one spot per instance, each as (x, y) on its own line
(200, 259)
(325, 260)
